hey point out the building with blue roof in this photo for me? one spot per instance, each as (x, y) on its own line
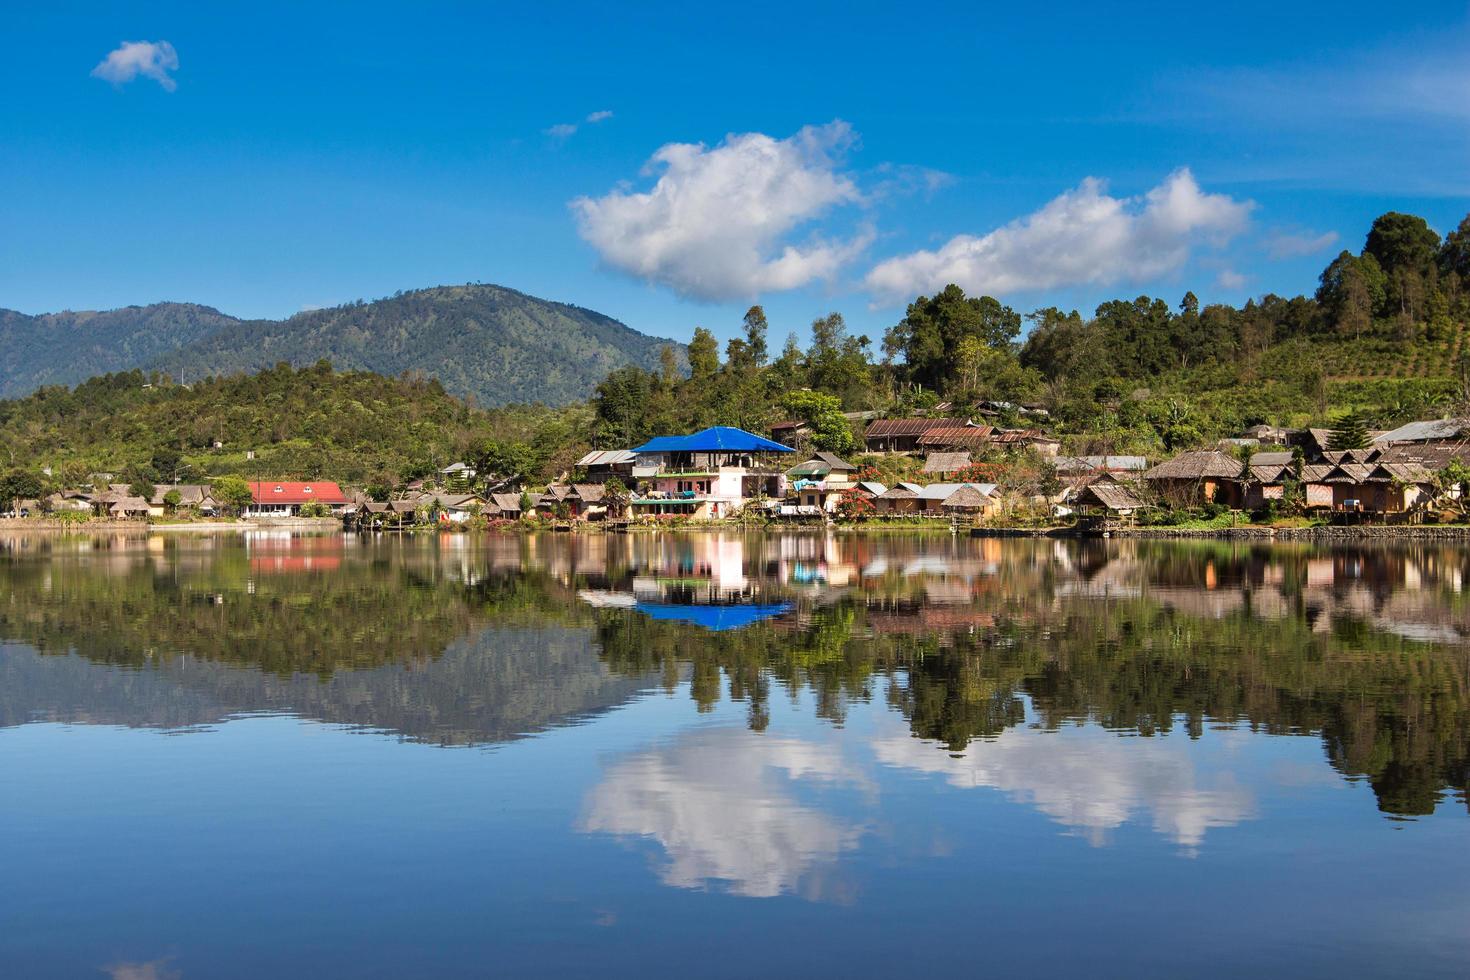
(708, 474)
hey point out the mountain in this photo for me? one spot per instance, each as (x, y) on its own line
(64, 348)
(490, 343)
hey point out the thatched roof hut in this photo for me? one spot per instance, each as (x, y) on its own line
(967, 498)
(1201, 464)
(946, 462)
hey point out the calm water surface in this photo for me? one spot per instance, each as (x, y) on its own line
(731, 755)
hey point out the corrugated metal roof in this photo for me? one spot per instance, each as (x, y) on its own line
(715, 439)
(607, 457)
(909, 427)
(1428, 431)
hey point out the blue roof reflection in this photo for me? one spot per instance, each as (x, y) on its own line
(714, 618)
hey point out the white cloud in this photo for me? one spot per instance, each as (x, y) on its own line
(719, 804)
(1083, 237)
(1092, 781)
(150, 59)
(1230, 279)
(1286, 245)
(714, 225)
(560, 131)
(601, 115)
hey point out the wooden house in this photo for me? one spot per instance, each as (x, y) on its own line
(942, 464)
(902, 435)
(1198, 477)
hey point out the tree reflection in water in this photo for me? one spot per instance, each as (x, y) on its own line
(472, 640)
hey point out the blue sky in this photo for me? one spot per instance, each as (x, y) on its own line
(809, 157)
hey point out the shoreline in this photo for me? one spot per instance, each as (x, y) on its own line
(1354, 532)
(1324, 533)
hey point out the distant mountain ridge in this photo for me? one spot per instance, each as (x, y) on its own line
(64, 348)
(490, 343)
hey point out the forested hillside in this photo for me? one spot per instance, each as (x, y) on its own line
(488, 343)
(1383, 336)
(64, 348)
(312, 422)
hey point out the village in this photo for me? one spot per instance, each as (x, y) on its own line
(912, 471)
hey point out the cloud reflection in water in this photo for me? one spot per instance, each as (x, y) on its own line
(723, 806)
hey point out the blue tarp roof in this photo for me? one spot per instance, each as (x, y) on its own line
(713, 618)
(715, 439)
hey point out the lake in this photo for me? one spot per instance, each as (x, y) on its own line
(730, 755)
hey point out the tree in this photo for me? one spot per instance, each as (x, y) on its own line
(1351, 288)
(233, 492)
(823, 412)
(18, 485)
(1454, 255)
(704, 355)
(141, 481)
(755, 335)
(836, 363)
(1406, 248)
(169, 463)
(172, 499)
(933, 327)
(1350, 432)
(616, 496)
(621, 401)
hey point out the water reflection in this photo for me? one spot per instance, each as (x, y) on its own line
(475, 640)
(1092, 782)
(723, 806)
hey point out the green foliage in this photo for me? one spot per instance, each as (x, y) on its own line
(19, 484)
(1350, 432)
(830, 430)
(232, 492)
(934, 327)
(492, 344)
(65, 348)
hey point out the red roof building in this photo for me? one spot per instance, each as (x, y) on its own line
(280, 498)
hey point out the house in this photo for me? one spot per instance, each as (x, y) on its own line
(456, 508)
(128, 508)
(903, 435)
(968, 499)
(602, 465)
(821, 481)
(938, 499)
(792, 432)
(712, 473)
(1316, 492)
(1033, 439)
(941, 464)
(1108, 497)
(900, 499)
(591, 501)
(966, 437)
(68, 501)
(506, 506)
(1198, 477)
(1435, 430)
(1268, 475)
(1372, 488)
(192, 496)
(457, 476)
(286, 499)
(1268, 434)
